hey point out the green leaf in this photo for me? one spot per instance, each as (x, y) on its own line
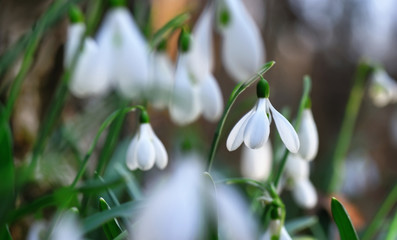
(342, 220)
(7, 170)
(111, 228)
(5, 233)
(124, 210)
(296, 225)
(168, 28)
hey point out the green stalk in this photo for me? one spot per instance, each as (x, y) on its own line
(116, 115)
(236, 92)
(347, 129)
(381, 215)
(306, 90)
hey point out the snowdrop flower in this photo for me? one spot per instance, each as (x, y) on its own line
(89, 76)
(254, 127)
(308, 135)
(235, 222)
(272, 231)
(125, 50)
(195, 90)
(161, 77)
(67, 228)
(257, 163)
(174, 209)
(146, 149)
(383, 88)
(242, 46)
(303, 191)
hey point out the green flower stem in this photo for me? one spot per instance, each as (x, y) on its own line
(56, 107)
(236, 92)
(347, 129)
(116, 115)
(381, 215)
(306, 90)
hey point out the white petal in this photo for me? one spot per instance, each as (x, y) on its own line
(201, 53)
(383, 88)
(273, 227)
(131, 161)
(89, 76)
(126, 52)
(185, 106)
(234, 218)
(286, 130)
(305, 194)
(161, 154)
(161, 80)
(236, 136)
(257, 131)
(242, 48)
(75, 32)
(211, 98)
(257, 163)
(145, 152)
(308, 136)
(297, 168)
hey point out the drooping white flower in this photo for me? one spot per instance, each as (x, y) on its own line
(234, 218)
(161, 78)
(196, 90)
(254, 127)
(125, 50)
(89, 75)
(146, 149)
(383, 88)
(257, 163)
(308, 136)
(67, 228)
(297, 170)
(274, 225)
(185, 105)
(243, 52)
(175, 209)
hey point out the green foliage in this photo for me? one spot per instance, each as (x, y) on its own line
(111, 228)
(342, 220)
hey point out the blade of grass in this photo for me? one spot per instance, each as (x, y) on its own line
(343, 222)
(111, 228)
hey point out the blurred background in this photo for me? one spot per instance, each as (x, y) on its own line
(325, 39)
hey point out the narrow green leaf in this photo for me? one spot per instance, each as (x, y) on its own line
(5, 233)
(246, 181)
(111, 228)
(168, 28)
(96, 220)
(392, 233)
(7, 170)
(342, 220)
(122, 236)
(296, 225)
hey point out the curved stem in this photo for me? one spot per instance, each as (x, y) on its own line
(236, 92)
(306, 90)
(104, 125)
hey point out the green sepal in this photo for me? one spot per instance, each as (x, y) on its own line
(224, 17)
(111, 228)
(76, 15)
(144, 117)
(262, 88)
(308, 104)
(184, 40)
(117, 3)
(275, 213)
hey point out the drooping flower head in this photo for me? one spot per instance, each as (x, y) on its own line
(146, 149)
(254, 127)
(383, 88)
(243, 52)
(125, 50)
(308, 134)
(89, 76)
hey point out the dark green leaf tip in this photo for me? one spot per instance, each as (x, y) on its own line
(118, 3)
(103, 205)
(76, 15)
(184, 40)
(262, 88)
(144, 117)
